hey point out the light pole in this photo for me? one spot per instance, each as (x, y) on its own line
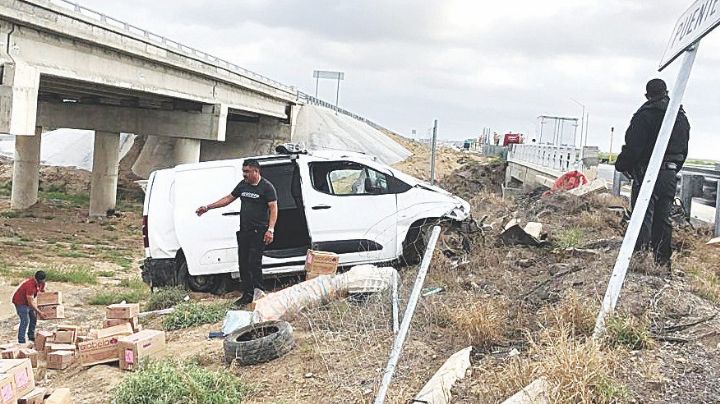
(582, 128)
(612, 131)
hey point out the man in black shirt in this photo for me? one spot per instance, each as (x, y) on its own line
(258, 214)
(656, 230)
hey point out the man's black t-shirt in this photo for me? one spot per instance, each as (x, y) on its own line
(254, 203)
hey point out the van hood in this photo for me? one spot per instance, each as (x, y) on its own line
(460, 212)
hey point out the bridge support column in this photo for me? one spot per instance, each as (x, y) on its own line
(104, 178)
(26, 171)
(186, 151)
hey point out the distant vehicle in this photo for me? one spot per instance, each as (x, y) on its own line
(512, 138)
(343, 202)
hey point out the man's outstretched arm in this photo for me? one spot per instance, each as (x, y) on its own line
(224, 201)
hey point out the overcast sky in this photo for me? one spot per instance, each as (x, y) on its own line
(470, 64)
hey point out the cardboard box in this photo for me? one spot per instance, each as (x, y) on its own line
(42, 338)
(59, 347)
(37, 396)
(31, 354)
(111, 322)
(82, 338)
(122, 310)
(8, 394)
(52, 312)
(21, 372)
(59, 396)
(139, 346)
(60, 359)
(65, 337)
(101, 350)
(320, 263)
(49, 298)
(10, 353)
(117, 330)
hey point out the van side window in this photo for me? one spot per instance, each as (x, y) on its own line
(348, 178)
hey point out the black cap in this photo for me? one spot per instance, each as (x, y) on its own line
(655, 88)
(40, 276)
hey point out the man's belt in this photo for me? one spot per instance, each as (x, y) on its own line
(669, 165)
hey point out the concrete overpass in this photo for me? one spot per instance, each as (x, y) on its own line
(65, 66)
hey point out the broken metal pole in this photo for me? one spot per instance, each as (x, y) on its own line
(628, 245)
(432, 155)
(409, 311)
(618, 179)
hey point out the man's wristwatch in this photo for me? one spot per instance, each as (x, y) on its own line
(271, 230)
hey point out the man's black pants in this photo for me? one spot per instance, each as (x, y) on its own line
(250, 251)
(656, 230)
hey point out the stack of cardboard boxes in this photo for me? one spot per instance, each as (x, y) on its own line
(50, 304)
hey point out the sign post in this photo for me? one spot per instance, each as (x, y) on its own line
(701, 18)
(323, 74)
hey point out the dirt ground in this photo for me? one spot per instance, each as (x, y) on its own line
(507, 301)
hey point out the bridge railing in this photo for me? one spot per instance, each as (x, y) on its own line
(309, 99)
(555, 157)
(168, 43)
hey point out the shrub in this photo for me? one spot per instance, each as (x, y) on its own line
(484, 322)
(627, 331)
(570, 238)
(71, 274)
(116, 296)
(191, 314)
(165, 298)
(168, 382)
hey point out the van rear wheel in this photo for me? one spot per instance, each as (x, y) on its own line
(200, 283)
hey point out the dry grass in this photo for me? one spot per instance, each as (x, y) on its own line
(574, 313)
(578, 370)
(482, 321)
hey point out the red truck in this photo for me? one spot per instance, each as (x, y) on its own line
(512, 138)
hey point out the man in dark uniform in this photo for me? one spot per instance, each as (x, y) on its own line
(258, 214)
(656, 231)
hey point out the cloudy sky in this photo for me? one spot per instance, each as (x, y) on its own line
(470, 64)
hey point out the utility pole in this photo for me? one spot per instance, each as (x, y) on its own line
(432, 156)
(612, 131)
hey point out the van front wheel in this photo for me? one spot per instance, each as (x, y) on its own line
(200, 283)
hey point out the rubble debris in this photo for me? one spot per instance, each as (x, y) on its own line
(516, 235)
(594, 186)
(714, 242)
(259, 343)
(438, 389)
(534, 393)
(431, 291)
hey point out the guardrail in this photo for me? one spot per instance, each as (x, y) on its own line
(309, 99)
(168, 43)
(559, 158)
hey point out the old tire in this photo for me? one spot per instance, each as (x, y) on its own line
(258, 343)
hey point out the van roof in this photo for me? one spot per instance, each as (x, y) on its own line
(313, 155)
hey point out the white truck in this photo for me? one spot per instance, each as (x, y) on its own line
(342, 202)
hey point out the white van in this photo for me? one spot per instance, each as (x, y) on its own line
(343, 202)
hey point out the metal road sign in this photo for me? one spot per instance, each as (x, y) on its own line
(324, 74)
(701, 18)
